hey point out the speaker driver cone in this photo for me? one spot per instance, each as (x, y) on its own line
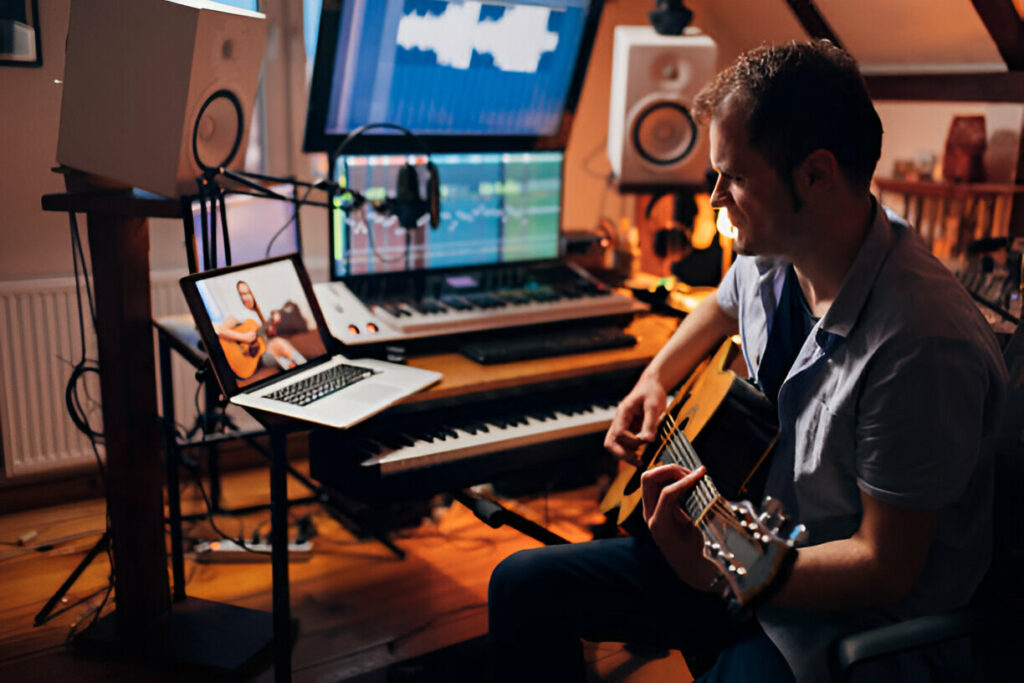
(664, 133)
(217, 133)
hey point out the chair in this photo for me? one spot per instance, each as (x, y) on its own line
(994, 619)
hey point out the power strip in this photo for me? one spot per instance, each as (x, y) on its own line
(231, 551)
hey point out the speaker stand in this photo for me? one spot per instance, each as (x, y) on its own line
(208, 637)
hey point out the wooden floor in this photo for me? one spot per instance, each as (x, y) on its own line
(365, 616)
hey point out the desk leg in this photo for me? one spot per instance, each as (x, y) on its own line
(279, 557)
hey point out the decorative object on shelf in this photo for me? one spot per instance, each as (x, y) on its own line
(965, 150)
(19, 34)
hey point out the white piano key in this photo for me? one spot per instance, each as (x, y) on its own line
(467, 445)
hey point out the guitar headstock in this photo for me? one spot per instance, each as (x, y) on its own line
(750, 547)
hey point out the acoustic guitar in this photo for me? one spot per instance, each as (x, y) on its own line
(244, 357)
(731, 423)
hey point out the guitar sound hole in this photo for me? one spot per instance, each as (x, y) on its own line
(648, 455)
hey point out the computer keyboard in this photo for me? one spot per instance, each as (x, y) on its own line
(314, 387)
(511, 346)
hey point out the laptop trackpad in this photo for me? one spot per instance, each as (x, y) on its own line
(374, 392)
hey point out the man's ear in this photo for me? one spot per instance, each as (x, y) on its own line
(818, 172)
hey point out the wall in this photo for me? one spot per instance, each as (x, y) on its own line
(36, 244)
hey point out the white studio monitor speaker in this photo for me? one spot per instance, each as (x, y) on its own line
(151, 84)
(653, 141)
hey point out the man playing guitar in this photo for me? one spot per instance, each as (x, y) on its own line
(887, 382)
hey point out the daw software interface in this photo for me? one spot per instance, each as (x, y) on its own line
(455, 68)
(495, 208)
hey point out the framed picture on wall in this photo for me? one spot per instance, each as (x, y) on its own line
(19, 33)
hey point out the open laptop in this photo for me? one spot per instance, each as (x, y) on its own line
(268, 344)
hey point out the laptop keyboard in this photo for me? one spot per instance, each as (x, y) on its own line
(324, 383)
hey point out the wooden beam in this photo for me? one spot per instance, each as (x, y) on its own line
(1006, 28)
(811, 19)
(966, 87)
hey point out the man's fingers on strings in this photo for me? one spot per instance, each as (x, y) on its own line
(675, 493)
(653, 481)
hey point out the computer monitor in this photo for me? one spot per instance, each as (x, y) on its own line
(258, 228)
(496, 208)
(461, 75)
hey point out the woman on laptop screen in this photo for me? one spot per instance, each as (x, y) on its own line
(249, 343)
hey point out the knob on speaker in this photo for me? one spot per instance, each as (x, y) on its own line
(653, 141)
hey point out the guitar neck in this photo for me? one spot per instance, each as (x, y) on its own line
(702, 498)
(677, 449)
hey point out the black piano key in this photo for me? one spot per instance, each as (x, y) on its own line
(391, 440)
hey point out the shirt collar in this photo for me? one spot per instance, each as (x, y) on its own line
(843, 313)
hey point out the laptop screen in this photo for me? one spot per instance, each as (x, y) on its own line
(261, 318)
(495, 208)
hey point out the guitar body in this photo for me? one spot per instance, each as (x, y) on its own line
(244, 357)
(731, 425)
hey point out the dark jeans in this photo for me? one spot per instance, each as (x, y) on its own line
(543, 601)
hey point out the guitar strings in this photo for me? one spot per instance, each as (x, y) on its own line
(705, 493)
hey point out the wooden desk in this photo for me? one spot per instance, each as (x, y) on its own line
(463, 376)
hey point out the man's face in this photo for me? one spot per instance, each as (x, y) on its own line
(759, 203)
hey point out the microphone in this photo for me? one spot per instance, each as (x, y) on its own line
(407, 204)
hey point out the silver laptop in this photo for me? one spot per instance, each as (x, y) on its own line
(269, 347)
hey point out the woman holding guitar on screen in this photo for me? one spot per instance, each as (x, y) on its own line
(885, 380)
(248, 343)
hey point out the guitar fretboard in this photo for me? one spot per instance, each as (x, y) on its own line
(677, 449)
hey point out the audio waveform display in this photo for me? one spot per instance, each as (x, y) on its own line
(479, 225)
(516, 39)
(440, 67)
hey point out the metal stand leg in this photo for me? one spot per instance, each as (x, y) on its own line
(494, 515)
(172, 454)
(212, 449)
(55, 598)
(279, 555)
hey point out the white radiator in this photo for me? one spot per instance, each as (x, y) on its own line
(39, 344)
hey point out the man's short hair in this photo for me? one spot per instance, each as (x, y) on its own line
(801, 97)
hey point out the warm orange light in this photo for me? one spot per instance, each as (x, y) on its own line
(704, 223)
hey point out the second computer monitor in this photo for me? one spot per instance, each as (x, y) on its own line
(495, 208)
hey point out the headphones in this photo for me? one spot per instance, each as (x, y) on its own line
(407, 204)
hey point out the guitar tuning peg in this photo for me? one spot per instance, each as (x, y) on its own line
(771, 506)
(798, 534)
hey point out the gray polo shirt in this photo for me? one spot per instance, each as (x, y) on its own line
(893, 393)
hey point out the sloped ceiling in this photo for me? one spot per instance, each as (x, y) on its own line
(908, 49)
(913, 36)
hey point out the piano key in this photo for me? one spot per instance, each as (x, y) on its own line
(461, 442)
